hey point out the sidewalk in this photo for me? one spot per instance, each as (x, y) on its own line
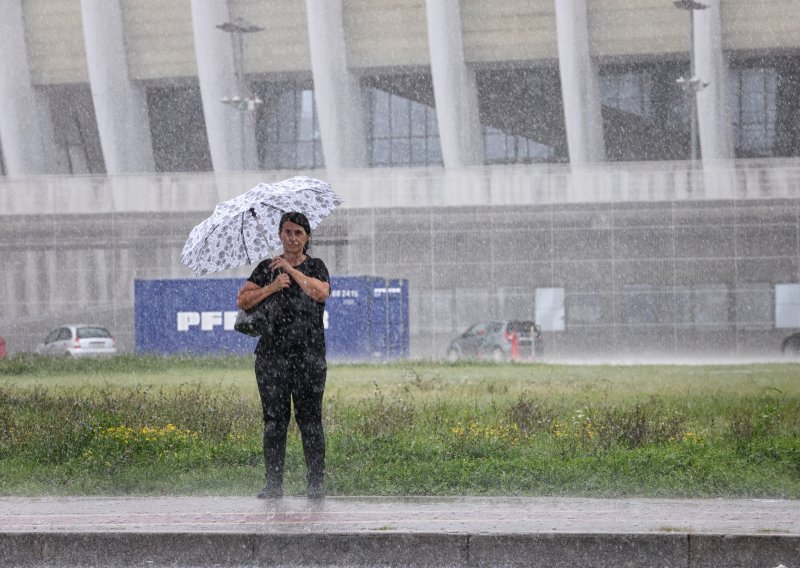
(373, 531)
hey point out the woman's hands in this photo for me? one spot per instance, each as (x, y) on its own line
(251, 294)
(317, 290)
(281, 282)
(280, 263)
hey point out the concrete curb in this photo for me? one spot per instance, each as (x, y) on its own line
(456, 532)
(560, 550)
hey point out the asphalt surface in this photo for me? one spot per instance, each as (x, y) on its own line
(373, 531)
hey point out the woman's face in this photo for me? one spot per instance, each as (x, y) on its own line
(293, 237)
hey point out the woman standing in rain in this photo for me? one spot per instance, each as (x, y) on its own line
(290, 358)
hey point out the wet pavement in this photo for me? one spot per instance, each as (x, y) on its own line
(374, 531)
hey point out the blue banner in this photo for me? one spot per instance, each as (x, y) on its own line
(366, 318)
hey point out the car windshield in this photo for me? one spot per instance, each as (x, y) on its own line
(495, 327)
(89, 332)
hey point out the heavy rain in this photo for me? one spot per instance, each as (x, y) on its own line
(552, 275)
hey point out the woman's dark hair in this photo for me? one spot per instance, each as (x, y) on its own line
(298, 219)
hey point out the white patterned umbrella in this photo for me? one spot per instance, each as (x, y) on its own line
(244, 229)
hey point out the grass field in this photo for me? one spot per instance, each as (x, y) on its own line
(149, 425)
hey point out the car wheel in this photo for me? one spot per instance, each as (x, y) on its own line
(791, 346)
(498, 356)
(453, 354)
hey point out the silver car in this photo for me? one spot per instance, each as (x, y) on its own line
(78, 340)
(514, 340)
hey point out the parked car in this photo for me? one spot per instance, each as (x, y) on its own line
(791, 345)
(498, 341)
(78, 340)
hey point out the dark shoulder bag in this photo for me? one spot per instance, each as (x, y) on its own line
(254, 322)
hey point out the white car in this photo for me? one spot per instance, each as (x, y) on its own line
(78, 341)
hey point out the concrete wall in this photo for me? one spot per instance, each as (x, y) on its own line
(393, 33)
(54, 34)
(385, 33)
(649, 264)
(159, 39)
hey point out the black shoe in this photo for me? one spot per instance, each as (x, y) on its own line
(270, 493)
(315, 491)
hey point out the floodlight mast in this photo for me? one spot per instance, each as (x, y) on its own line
(693, 84)
(241, 101)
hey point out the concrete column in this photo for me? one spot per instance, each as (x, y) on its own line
(337, 92)
(51, 275)
(83, 291)
(454, 87)
(227, 127)
(579, 84)
(33, 293)
(120, 105)
(26, 128)
(8, 285)
(711, 66)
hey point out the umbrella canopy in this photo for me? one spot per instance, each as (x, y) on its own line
(244, 229)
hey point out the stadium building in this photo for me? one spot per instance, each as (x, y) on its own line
(624, 172)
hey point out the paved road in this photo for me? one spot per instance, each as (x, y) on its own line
(372, 531)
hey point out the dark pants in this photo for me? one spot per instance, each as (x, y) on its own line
(282, 380)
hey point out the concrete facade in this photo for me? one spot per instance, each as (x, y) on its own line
(511, 159)
(119, 104)
(613, 92)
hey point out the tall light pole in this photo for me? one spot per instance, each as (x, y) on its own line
(693, 84)
(242, 100)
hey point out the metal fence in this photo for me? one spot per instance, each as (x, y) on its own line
(648, 259)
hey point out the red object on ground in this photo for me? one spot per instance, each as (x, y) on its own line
(2, 347)
(514, 346)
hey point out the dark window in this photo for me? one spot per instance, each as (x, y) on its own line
(628, 91)
(495, 327)
(521, 327)
(754, 110)
(646, 115)
(75, 129)
(401, 121)
(90, 332)
(522, 115)
(287, 132)
(178, 129)
(500, 147)
(788, 107)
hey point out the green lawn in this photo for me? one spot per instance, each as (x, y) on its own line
(150, 425)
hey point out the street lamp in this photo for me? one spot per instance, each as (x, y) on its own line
(693, 84)
(242, 100)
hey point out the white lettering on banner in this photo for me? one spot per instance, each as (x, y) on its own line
(206, 320)
(186, 319)
(209, 320)
(344, 294)
(379, 291)
(229, 320)
(325, 319)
